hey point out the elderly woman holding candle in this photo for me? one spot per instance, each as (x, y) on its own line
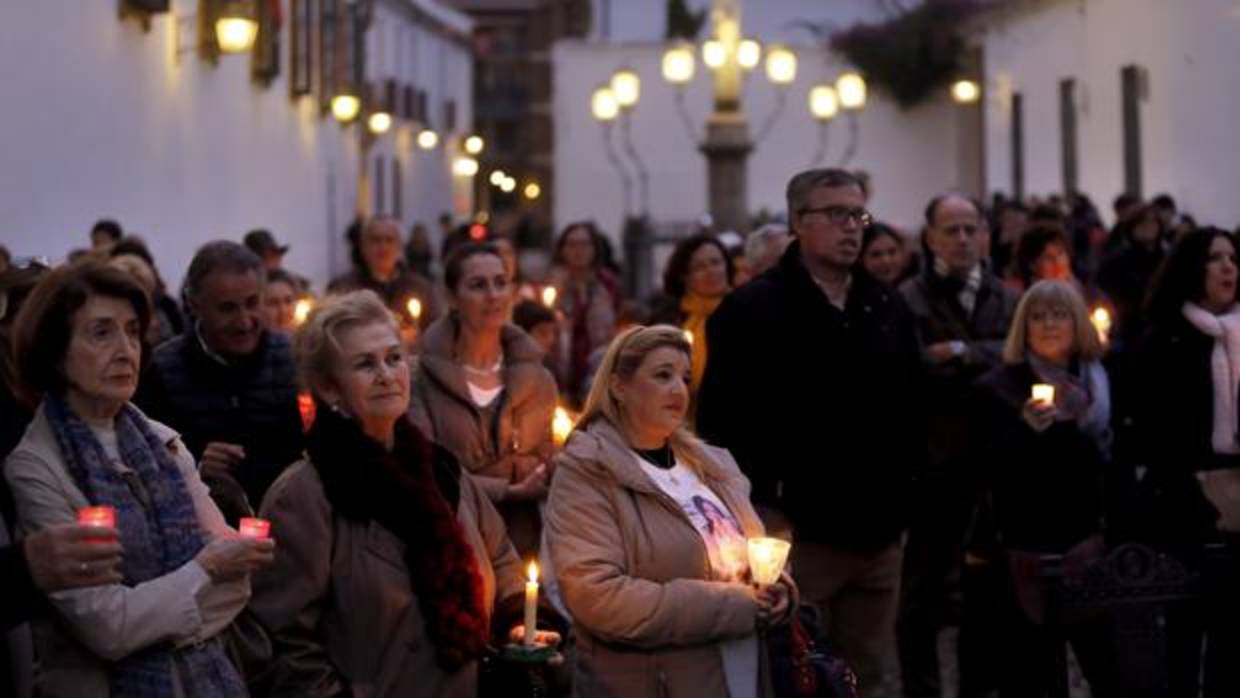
(185, 573)
(647, 527)
(482, 392)
(1045, 426)
(1189, 367)
(394, 576)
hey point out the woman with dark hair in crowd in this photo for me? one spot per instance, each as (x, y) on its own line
(884, 255)
(697, 277)
(184, 577)
(280, 295)
(481, 391)
(658, 590)
(587, 294)
(1045, 465)
(1045, 252)
(1125, 276)
(394, 576)
(169, 319)
(1190, 372)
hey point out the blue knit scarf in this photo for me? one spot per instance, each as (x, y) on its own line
(160, 533)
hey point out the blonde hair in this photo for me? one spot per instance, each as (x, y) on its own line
(316, 344)
(1052, 292)
(624, 356)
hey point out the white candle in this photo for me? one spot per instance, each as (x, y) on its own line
(766, 559)
(531, 605)
(254, 528)
(548, 296)
(1044, 394)
(1101, 320)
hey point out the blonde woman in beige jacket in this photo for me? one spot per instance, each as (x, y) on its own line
(646, 527)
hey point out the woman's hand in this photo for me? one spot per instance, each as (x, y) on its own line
(1038, 415)
(542, 638)
(774, 605)
(231, 557)
(532, 487)
(73, 556)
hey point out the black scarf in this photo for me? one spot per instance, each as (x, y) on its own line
(413, 494)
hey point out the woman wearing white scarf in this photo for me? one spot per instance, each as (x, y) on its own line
(1189, 368)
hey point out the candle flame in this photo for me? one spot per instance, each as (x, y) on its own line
(1044, 393)
(301, 311)
(689, 337)
(548, 296)
(561, 426)
(414, 306)
(1101, 321)
(532, 572)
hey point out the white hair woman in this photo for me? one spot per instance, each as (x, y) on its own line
(646, 527)
(394, 568)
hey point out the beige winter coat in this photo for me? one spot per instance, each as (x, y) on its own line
(484, 441)
(106, 623)
(635, 575)
(339, 603)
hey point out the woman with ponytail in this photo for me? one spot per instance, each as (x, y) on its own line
(646, 528)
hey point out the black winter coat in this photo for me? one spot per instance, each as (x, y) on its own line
(252, 403)
(1175, 423)
(1048, 488)
(817, 405)
(949, 386)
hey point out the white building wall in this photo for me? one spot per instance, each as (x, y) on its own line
(102, 119)
(1190, 50)
(911, 155)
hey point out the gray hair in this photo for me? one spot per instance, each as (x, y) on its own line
(760, 240)
(801, 184)
(220, 255)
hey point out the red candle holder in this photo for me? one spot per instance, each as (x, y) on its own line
(254, 528)
(102, 517)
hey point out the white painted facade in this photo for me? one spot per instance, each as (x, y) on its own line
(1189, 50)
(911, 155)
(102, 119)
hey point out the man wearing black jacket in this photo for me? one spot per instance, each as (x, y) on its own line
(812, 385)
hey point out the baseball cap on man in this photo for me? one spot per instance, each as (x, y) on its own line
(262, 243)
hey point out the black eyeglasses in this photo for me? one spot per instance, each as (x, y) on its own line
(836, 215)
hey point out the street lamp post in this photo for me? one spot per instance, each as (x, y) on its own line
(727, 144)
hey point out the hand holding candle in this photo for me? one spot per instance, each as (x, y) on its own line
(531, 606)
(766, 559)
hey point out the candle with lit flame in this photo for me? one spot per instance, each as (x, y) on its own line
(301, 311)
(102, 517)
(548, 296)
(561, 426)
(1044, 394)
(251, 527)
(1101, 321)
(531, 605)
(305, 406)
(766, 559)
(414, 306)
(689, 337)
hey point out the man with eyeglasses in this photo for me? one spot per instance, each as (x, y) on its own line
(811, 384)
(962, 312)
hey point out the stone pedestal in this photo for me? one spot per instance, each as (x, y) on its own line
(726, 148)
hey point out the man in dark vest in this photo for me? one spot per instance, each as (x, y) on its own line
(228, 385)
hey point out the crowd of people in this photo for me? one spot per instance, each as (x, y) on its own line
(923, 416)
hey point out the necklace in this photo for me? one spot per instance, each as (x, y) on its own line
(489, 370)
